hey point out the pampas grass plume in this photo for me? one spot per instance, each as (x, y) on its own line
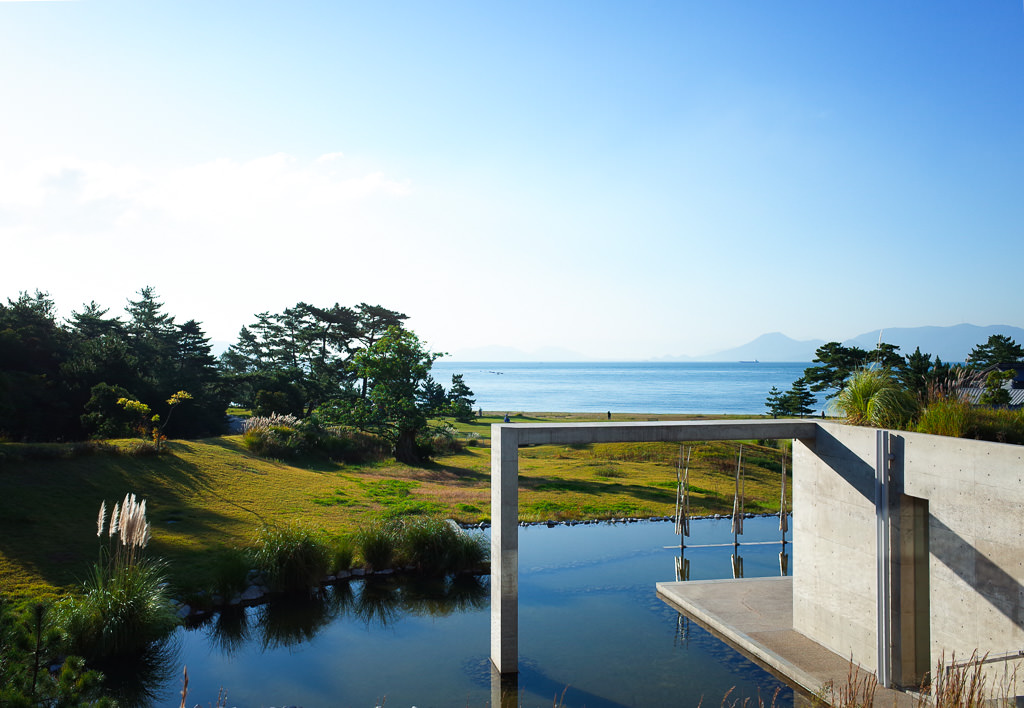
(102, 519)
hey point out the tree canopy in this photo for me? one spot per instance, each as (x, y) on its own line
(103, 375)
(999, 349)
(396, 367)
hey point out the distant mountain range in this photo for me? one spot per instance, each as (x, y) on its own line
(951, 344)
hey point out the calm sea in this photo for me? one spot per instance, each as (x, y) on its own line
(623, 387)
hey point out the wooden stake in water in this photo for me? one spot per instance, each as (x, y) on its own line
(737, 501)
(783, 517)
(682, 569)
(783, 523)
(737, 566)
(682, 516)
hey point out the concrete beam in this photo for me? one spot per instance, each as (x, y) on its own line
(658, 431)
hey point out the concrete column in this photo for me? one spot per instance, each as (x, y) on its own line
(885, 584)
(505, 548)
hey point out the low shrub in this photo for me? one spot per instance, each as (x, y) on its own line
(429, 543)
(957, 418)
(440, 441)
(230, 573)
(471, 552)
(285, 436)
(276, 442)
(947, 416)
(292, 558)
(343, 553)
(997, 425)
(351, 446)
(378, 544)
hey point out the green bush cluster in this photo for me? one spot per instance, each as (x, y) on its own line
(292, 558)
(432, 545)
(960, 419)
(874, 397)
(286, 437)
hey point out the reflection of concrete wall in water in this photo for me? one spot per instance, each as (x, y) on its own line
(955, 566)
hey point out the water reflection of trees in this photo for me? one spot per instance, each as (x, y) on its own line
(137, 680)
(376, 601)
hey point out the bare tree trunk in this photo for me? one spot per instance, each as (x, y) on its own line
(405, 447)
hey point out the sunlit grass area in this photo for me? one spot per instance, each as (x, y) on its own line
(207, 498)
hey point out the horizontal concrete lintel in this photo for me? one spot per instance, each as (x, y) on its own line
(658, 431)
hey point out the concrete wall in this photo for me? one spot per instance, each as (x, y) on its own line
(975, 495)
(957, 548)
(834, 584)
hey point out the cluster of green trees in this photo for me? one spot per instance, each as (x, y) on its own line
(63, 380)
(914, 373)
(90, 376)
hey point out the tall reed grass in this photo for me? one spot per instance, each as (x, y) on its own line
(125, 605)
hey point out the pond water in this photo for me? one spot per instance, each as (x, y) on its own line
(591, 632)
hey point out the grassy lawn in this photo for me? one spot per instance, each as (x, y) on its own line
(211, 495)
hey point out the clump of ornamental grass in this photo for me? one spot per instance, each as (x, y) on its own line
(949, 412)
(230, 573)
(276, 436)
(946, 416)
(292, 558)
(124, 606)
(343, 552)
(874, 397)
(437, 546)
(378, 544)
(428, 543)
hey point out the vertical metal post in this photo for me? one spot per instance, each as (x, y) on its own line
(505, 548)
(882, 553)
(737, 501)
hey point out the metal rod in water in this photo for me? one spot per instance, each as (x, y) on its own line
(682, 516)
(737, 501)
(783, 518)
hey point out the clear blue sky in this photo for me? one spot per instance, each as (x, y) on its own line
(626, 180)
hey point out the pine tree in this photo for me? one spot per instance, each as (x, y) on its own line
(799, 399)
(460, 399)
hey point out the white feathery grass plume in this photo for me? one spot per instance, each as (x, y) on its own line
(102, 519)
(115, 520)
(135, 531)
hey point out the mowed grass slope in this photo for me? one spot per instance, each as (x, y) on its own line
(208, 496)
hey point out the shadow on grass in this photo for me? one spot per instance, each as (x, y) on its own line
(438, 472)
(554, 484)
(48, 510)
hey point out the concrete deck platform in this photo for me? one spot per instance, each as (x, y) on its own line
(755, 616)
